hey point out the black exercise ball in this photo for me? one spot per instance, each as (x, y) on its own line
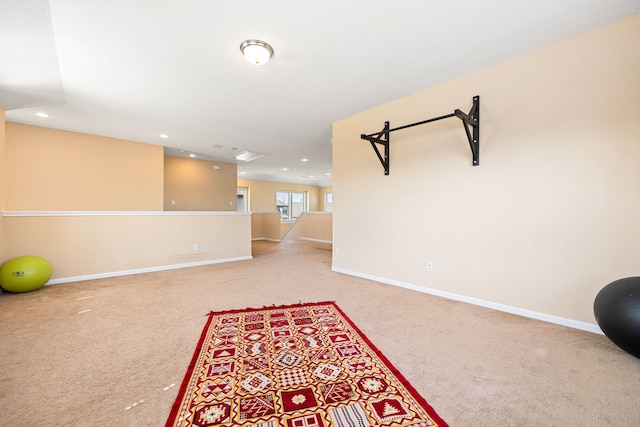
(617, 311)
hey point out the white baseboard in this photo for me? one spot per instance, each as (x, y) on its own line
(143, 270)
(309, 239)
(584, 326)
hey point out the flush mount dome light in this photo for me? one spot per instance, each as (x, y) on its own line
(256, 51)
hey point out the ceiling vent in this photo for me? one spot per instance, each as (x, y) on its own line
(248, 156)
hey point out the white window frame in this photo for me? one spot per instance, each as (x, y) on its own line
(290, 209)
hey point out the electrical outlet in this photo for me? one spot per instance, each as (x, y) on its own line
(429, 266)
(195, 246)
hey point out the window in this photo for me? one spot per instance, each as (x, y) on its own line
(328, 198)
(243, 199)
(290, 204)
(282, 204)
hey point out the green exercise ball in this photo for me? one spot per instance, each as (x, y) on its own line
(25, 274)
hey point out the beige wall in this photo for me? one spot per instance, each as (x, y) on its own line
(316, 226)
(2, 176)
(85, 244)
(265, 226)
(199, 185)
(325, 207)
(285, 226)
(262, 194)
(93, 206)
(551, 214)
(53, 170)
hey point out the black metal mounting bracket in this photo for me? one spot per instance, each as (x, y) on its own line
(471, 119)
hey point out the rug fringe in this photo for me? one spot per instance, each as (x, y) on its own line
(270, 307)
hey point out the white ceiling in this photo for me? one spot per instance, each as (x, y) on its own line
(135, 69)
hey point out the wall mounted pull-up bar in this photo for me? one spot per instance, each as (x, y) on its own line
(472, 119)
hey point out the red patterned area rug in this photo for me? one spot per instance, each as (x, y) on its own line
(305, 365)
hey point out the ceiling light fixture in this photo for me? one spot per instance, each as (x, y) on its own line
(256, 51)
(42, 114)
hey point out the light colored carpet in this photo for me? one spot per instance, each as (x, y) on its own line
(114, 351)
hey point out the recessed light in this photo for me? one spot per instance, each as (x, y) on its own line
(305, 160)
(42, 114)
(164, 136)
(192, 155)
(285, 169)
